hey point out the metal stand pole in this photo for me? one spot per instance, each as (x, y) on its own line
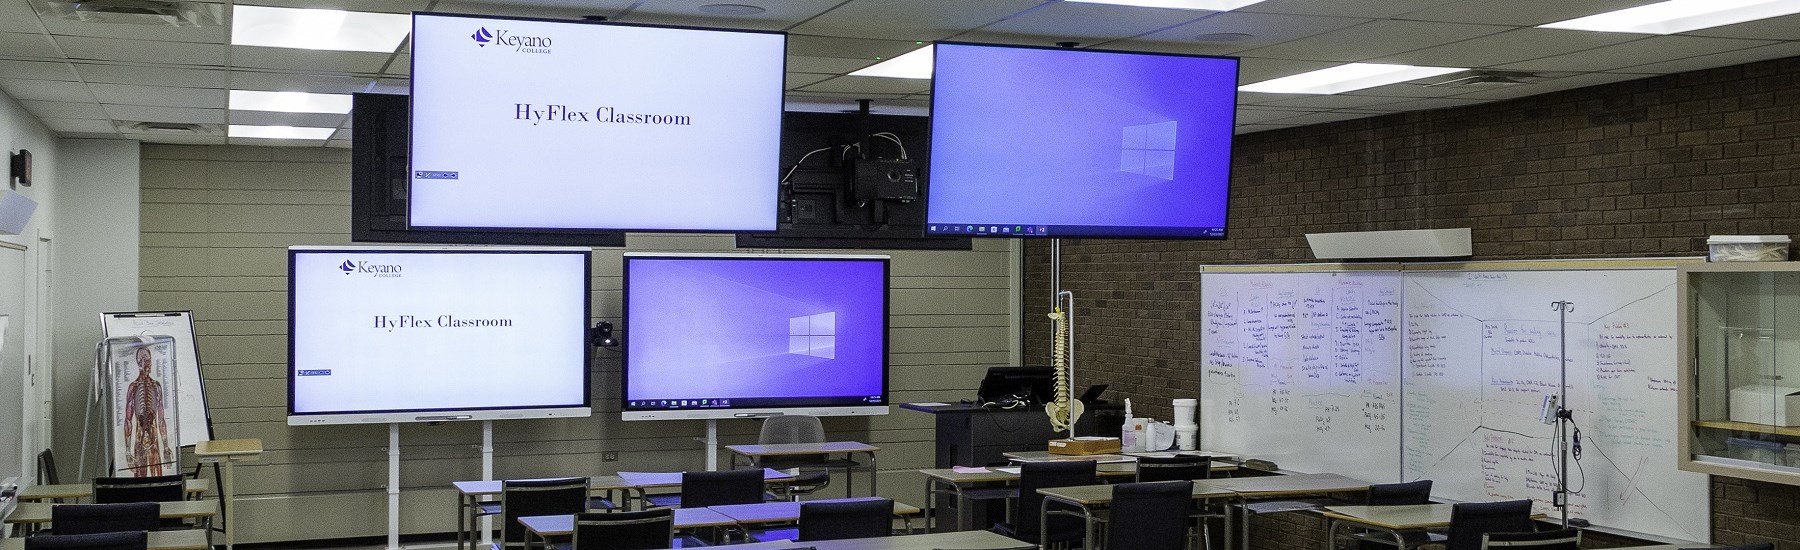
(1563, 415)
(393, 488)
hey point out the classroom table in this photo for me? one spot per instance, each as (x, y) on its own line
(961, 540)
(1245, 489)
(963, 485)
(1045, 456)
(848, 448)
(1087, 499)
(544, 528)
(179, 539)
(70, 491)
(787, 511)
(1392, 519)
(28, 516)
(228, 452)
(470, 493)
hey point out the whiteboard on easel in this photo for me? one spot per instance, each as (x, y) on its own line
(196, 421)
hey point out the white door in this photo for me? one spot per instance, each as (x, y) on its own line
(39, 375)
(13, 285)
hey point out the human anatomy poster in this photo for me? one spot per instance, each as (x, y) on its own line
(142, 395)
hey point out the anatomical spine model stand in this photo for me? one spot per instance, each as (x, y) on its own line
(1063, 411)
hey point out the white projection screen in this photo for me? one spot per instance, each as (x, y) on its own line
(427, 334)
(535, 124)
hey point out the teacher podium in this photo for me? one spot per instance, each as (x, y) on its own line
(970, 435)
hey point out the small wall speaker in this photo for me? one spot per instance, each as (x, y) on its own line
(1410, 243)
(21, 168)
(15, 212)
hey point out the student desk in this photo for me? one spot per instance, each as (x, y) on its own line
(1087, 499)
(1245, 489)
(1392, 519)
(787, 512)
(972, 486)
(66, 491)
(545, 528)
(228, 452)
(848, 448)
(469, 494)
(28, 516)
(182, 539)
(961, 540)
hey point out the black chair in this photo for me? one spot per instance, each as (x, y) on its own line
(133, 540)
(1394, 494)
(856, 519)
(702, 489)
(1043, 475)
(1150, 516)
(46, 468)
(537, 497)
(1175, 468)
(813, 471)
(1470, 520)
(118, 490)
(83, 519)
(646, 530)
(1567, 538)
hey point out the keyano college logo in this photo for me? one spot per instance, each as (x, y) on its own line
(347, 267)
(519, 43)
(375, 270)
(482, 36)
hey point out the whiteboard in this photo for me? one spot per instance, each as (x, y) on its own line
(1463, 381)
(1482, 350)
(196, 424)
(1301, 369)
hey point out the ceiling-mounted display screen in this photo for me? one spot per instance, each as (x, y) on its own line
(1035, 142)
(533, 124)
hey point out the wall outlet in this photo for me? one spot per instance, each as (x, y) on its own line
(609, 456)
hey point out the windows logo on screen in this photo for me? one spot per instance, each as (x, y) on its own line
(1149, 149)
(813, 335)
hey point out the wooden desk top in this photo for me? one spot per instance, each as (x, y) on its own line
(85, 490)
(969, 540)
(228, 447)
(492, 487)
(1274, 486)
(564, 525)
(1411, 516)
(39, 512)
(1088, 495)
(780, 512)
(784, 449)
(179, 539)
(646, 480)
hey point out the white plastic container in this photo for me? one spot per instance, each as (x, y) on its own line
(1747, 248)
(1185, 427)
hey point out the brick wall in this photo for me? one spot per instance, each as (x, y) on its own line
(1641, 168)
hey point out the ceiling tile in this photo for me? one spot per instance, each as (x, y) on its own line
(181, 139)
(920, 20)
(1374, 39)
(46, 90)
(341, 134)
(1508, 47)
(149, 75)
(1649, 50)
(1334, 101)
(289, 82)
(1088, 22)
(1333, 116)
(261, 142)
(22, 45)
(779, 14)
(1429, 103)
(143, 113)
(1259, 98)
(1525, 13)
(852, 48)
(1786, 27)
(802, 80)
(869, 84)
(1256, 69)
(1773, 51)
(338, 143)
(555, 9)
(158, 96)
(64, 109)
(141, 51)
(1345, 8)
(1259, 116)
(1264, 29)
(18, 17)
(309, 120)
(80, 125)
(400, 66)
(379, 6)
(1254, 128)
(1552, 85)
(825, 65)
(37, 70)
(165, 33)
(320, 61)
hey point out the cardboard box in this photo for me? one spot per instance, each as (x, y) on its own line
(1084, 446)
(1766, 404)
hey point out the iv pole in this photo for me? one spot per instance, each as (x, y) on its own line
(1560, 498)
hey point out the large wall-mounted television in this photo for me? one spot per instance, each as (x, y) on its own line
(428, 334)
(723, 336)
(539, 124)
(1060, 142)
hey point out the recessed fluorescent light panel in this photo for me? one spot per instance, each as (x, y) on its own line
(316, 29)
(913, 64)
(289, 102)
(1344, 78)
(1215, 5)
(278, 132)
(1676, 16)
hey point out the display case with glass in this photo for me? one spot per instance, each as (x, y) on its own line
(1740, 391)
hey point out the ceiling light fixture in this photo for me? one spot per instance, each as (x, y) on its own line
(1344, 78)
(1214, 5)
(316, 29)
(1676, 16)
(731, 9)
(289, 102)
(914, 64)
(278, 132)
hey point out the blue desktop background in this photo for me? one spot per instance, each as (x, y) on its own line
(1048, 136)
(723, 328)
